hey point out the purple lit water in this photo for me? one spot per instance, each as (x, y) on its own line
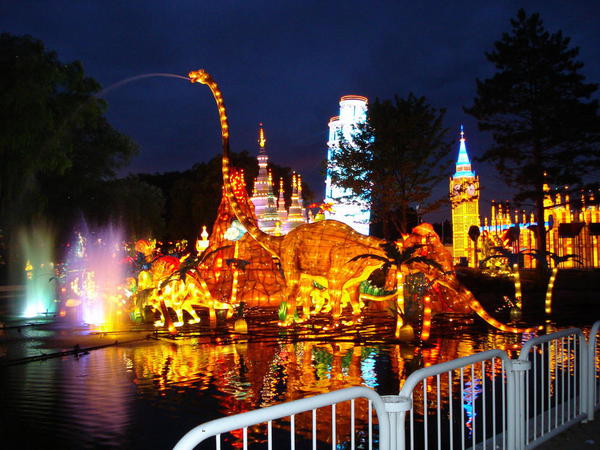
(95, 276)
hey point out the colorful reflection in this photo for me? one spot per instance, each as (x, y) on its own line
(248, 375)
(191, 380)
(472, 390)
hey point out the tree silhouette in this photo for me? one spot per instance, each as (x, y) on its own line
(56, 146)
(538, 108)
(394, 159)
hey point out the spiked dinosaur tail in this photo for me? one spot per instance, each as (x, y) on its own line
(269, 243)
(479, 309)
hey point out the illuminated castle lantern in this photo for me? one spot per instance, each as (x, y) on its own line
(353, 110)
(270, 210)
(263, 198)
(296, 214)
(282, 213)
(573, 228)
(464, 199)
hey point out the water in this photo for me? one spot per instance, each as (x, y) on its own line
(128, 80)
(95, 272)
(88, 288)
(148, 393)
(37, 251)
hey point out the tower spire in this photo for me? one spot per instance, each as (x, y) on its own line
(281, 200)
(281, 211)
(463, 164)
(262, 140)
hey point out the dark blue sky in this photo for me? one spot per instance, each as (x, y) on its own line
(285, 64)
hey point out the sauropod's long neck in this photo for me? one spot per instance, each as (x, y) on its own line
(268, 242)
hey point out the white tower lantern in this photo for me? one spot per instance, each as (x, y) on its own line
(353, 110)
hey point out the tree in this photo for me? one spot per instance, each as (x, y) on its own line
(538, 108)
(55, 143)
(394, 160)
(136, 206)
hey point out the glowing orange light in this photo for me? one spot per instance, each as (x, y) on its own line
(548, 302)
(426, 318)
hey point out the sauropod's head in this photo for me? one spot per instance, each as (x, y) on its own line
(200, 76)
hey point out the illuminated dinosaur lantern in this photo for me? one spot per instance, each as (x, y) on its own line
(323, 251)
(163, 291)
(237, 268)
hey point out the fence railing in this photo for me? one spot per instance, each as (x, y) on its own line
(554, 394)
(594, 368)
(486, 400)
(484, 381)
(216, 428)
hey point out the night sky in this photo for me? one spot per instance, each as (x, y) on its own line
(285, 64)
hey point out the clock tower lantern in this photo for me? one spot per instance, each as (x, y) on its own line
(464, 200)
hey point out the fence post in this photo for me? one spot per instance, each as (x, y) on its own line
(396, 407)
(510, 406)
(517, 411)
(584, 376)
(591, 369)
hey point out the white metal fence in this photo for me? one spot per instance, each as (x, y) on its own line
(459, 403)
(486, 400)
(594, 367)
(291, 410)
(554, 394)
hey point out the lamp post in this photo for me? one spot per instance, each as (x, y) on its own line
(474, 234)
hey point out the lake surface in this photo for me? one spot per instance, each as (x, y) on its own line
(148, 392)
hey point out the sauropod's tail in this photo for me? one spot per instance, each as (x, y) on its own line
(468, 297)
(481, 312)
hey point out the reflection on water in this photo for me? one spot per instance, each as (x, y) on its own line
(66, 402)
(146, 395)
(472, 390)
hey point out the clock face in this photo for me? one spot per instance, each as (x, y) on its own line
(463, 191)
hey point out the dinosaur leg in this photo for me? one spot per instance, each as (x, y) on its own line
(292, 281)
(192, 312)
(179, 314)
(167, 317)
(229, 313)
(357, 305)
(293, 290)
(335, 291)
(304, 296)
(212, 316)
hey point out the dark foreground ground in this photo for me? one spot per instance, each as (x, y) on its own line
(581, 435)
